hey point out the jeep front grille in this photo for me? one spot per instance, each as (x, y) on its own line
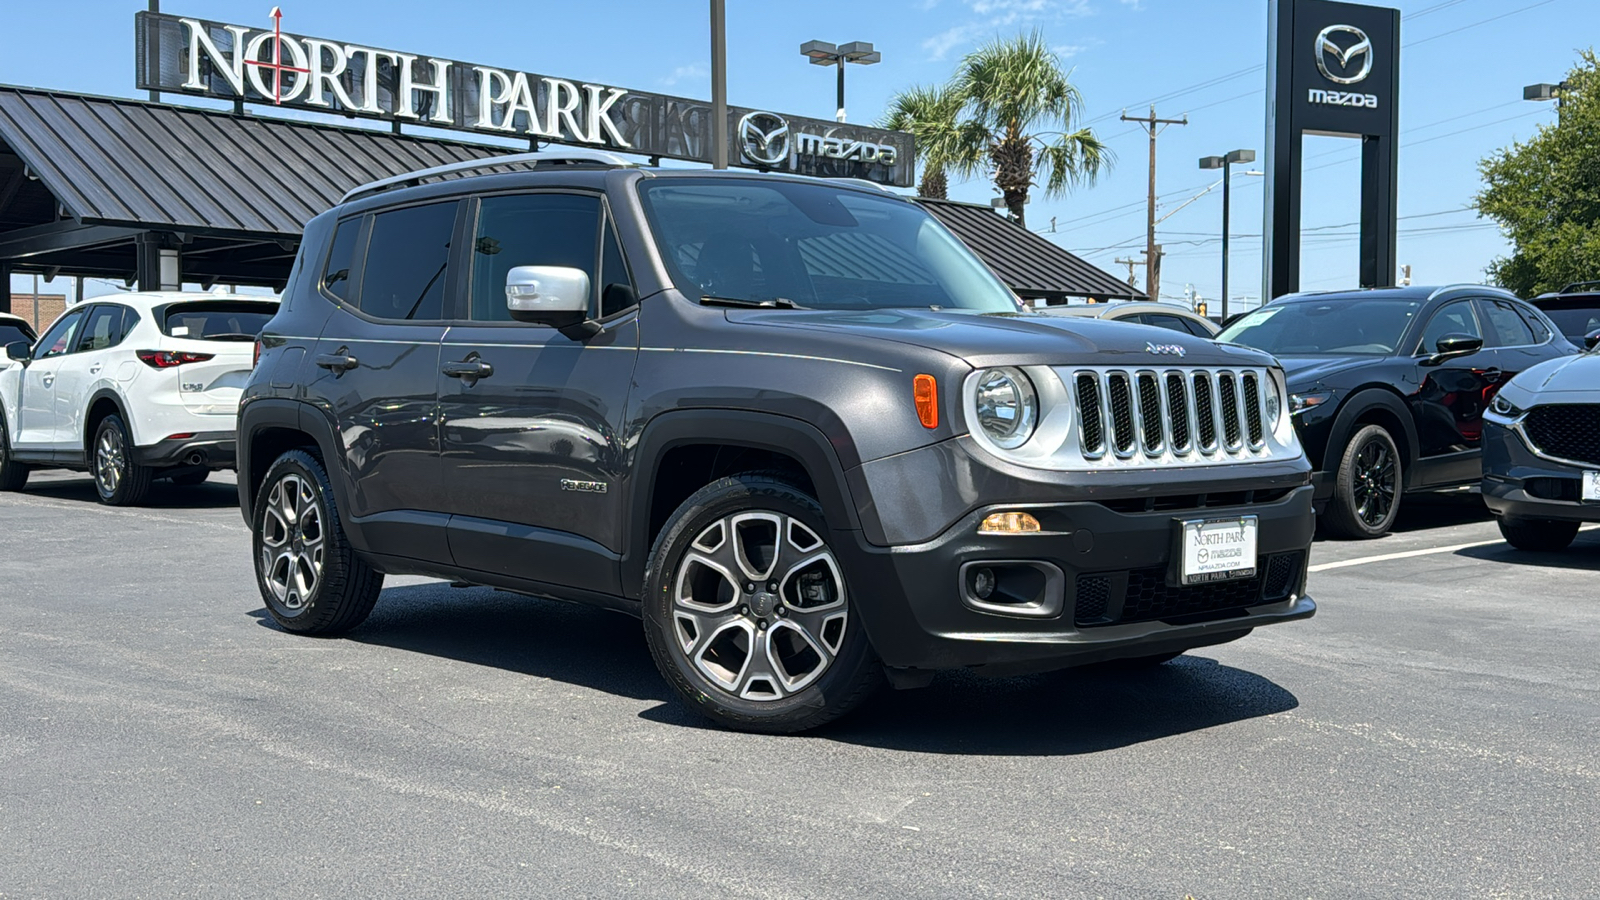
(1197, 415)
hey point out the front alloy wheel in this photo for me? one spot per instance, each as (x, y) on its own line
(292, 542)
(1366, 497)
(747, 610)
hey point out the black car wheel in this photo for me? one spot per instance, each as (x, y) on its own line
(13, 475)
(1538, 534)
(1366, 494)
(118, 480)
(747, 613)
(309, 576)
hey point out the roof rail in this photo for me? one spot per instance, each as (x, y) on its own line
(1580, 287)
(569, 156)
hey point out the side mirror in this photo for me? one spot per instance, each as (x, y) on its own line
(1453, 346)
(1591, 340)
(21, 351)
(549, 295)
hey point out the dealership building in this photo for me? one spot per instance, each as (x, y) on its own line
(159, 194)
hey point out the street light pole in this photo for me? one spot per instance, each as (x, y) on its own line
(822, 53)
(719, 85)
(1547, 92)
(1226, 163)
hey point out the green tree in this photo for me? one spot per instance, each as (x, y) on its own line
(930, 114)
(1019, 108)
(1545, 194)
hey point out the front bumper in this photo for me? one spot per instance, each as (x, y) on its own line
(1111, 568)
(203, 449)
(1520, 484)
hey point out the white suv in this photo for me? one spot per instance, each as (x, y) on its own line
(131, 388)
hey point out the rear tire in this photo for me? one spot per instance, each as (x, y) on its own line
(308, 574)
(747, 613)
(118, 480)
(13, 475)
(1538, 535)
(1366, 493)
(190, 479)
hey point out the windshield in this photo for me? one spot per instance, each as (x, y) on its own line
(218, 320)
(1575, 319)
(814, 245)
(1337, 326)
(10, 334)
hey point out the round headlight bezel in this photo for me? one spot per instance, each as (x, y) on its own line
(1014, 431)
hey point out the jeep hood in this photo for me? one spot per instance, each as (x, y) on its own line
(993, 339)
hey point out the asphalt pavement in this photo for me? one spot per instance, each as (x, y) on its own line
(1431, 733)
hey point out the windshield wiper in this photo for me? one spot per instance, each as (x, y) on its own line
(741, 303)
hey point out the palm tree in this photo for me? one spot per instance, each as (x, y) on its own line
(929, 114)
(1014, 92)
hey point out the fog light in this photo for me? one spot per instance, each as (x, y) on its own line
(983, 584)
(1009, 523)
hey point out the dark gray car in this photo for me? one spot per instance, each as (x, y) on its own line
(1541, 453)
(794, 425)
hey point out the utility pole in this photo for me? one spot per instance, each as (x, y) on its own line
(1152, 252)
(719, 84)
(1130, 263)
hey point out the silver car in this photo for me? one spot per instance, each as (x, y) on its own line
(1161, 315)
(1541, 452)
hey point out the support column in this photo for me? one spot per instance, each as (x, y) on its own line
(147, 252)
(5, 286)
(1380, 211)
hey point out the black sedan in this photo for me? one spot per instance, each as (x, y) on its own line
(1388, 387)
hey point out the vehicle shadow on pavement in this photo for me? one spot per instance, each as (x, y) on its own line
(162, 494)
(1583, 555)
(1421, 512)
(579, 645)
(1056, 714)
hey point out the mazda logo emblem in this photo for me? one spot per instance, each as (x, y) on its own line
(1328, 50)
(764, 138)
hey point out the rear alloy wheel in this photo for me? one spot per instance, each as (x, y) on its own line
(1538, 535)
(1366, 494)
(117, 478)
(13, 475)
(747, 612)
(309, 576)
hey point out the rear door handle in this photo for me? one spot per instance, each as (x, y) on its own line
(95, 369)
(337, 362)
(470, 369)
(1492, 375)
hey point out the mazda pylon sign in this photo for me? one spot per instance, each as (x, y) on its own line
(268, 65)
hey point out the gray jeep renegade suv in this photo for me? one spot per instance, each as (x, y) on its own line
(792, 424)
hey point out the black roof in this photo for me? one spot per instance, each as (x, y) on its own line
(112, 161)
(1031, 265)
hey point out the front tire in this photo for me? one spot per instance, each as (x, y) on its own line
(747, 613)
(13, 475)
(118, 480)
(1366, 493)
(309, 576)
(1538, 535)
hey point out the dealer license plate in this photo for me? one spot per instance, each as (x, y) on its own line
(1218, 549)
(1591, 485)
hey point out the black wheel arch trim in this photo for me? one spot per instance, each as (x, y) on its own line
(770, 432)
(122, 410)
(1359, 403)
(257, 416)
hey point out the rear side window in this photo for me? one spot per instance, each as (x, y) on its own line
(341, 259)
(1508, 329)
(1541, 331)
(404, 275)
(216, 320)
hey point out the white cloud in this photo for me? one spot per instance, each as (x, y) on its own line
(691, 72)
(997, 15)
(1135, 5)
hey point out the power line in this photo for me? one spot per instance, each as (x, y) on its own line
(1476, 24)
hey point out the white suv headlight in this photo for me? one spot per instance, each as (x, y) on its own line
(1007, 407)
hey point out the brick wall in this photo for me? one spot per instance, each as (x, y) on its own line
(50, 306)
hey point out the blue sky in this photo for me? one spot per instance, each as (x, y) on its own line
(1462, 73)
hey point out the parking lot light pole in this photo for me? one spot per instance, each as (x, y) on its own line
(822, 53)
(719, 85)
(1225, 163)
(1543, 93)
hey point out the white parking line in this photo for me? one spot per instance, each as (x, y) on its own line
(1361, 561)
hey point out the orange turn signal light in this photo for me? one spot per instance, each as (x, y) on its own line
(1009, 523)
(926, 392)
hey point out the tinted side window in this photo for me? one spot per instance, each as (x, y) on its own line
(1454, 318)
(1506, 328)
(1197, 329)
(10, 334)
(404, 273)
(1171, 323)
(616, 284)
(58, 339)
(341, 259)
(1536, 324)
(102, 330)
(527, 230)
(130, 318)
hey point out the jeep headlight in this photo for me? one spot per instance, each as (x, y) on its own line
(1007, 407)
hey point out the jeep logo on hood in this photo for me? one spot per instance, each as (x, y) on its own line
(1164, 349)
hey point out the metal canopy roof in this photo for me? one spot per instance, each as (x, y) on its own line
(173, 168)
(1027, 263)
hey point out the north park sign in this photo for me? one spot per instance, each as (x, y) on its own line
(270, 66)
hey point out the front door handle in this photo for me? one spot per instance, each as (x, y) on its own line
(468, 369)
(48, 378)
(337, 362)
